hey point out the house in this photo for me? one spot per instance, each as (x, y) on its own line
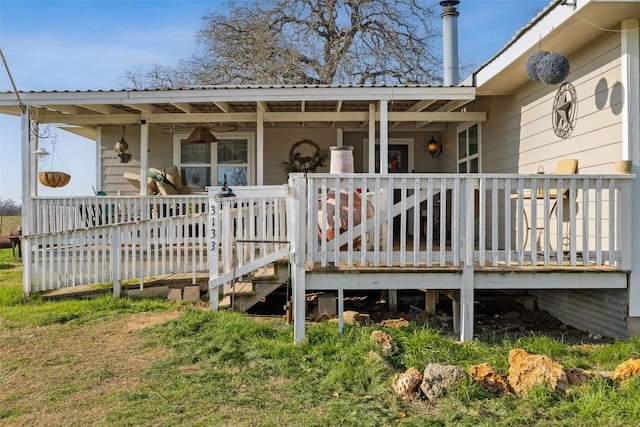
(472, 214)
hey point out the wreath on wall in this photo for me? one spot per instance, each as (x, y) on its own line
(305, 156)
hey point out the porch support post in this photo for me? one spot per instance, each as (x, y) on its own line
(339, 137)
(98, 159)
(297, 203)
(114, 247)
(27, 177)
(384, 137)
(213, 254)
(630, 67)
(466, 304)
(431, 299)
(260, 147)
(467, 283)
(372, 138)
(28, 171)
(144, 154)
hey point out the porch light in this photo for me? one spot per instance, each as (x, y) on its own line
(225, 191)
(41, 152)
(201, 135)
(435, 148)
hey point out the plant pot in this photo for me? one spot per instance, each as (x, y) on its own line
(622, 166)
(54, 179)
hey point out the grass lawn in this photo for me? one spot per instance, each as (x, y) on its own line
(151, 362)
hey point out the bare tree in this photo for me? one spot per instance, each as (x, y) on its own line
(309, 42)
(9, 208)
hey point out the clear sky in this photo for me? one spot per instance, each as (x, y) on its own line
(89, 44)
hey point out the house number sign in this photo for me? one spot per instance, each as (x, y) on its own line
(565, 111)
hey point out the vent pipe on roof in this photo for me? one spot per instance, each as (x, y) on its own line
(450, 41)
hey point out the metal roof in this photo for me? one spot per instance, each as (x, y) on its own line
(288, 106)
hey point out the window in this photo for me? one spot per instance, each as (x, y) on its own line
(200, 163)
(469, 148)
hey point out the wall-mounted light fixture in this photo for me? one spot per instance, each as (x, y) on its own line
(434, 147)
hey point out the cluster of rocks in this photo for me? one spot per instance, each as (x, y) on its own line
(525, 371)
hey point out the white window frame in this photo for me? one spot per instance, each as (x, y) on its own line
(467, 159)
(213, 165)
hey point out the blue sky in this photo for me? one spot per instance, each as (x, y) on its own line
(88, 45)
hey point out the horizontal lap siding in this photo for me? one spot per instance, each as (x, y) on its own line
(518, 135)
(601, 311)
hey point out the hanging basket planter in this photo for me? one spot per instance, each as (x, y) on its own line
(54, 179)
(553, 69)
(532, 64)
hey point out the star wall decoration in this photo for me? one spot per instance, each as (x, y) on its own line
(565, 110)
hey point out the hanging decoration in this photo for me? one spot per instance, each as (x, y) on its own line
(549, 68)
(553, 69)
(121, 148)
(50, 178)
(305, 156)
(532, 63)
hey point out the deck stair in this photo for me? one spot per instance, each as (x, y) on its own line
(251, 289)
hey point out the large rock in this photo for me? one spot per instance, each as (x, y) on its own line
(626, 370)
(384, 342)
(577, 376)
(406, 384)
(486, 376)
(437, 379)
(529, 370)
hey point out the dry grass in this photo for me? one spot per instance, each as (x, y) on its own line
(65, 374)
(7, 223)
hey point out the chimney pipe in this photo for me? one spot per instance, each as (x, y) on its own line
(450, 41)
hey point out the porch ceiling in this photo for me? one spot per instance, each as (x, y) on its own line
(285, 106)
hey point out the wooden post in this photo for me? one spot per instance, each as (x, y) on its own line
(467, 287)
(297, 226)
(214, 208)
(431, 299)
(340, 310)
(114, 247)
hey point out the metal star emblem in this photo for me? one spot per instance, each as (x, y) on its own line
(565, 111)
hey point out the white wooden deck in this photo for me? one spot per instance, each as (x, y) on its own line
(448, 232)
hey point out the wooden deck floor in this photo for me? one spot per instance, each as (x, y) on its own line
(179, 280)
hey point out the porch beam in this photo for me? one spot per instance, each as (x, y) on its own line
(224, 107)
(144, 108)
(185, 107)
(381, 280)
(421, 105)
(102, 109)
(118, 119)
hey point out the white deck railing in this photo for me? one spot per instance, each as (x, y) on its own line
(54, 214)
(406, 220)
(444, 220)
(87, 240)
(248, 230)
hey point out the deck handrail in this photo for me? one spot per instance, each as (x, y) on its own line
(484, 219)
